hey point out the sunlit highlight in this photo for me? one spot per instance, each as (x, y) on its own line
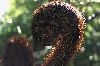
(4, 4)
(19, 29)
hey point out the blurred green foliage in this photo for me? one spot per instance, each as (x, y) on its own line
(18, 18)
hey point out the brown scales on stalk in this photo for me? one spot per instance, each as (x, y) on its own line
(61, 25)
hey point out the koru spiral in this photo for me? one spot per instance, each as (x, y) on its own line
(61, 25)
(56, 23)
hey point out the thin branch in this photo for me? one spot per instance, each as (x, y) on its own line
(93, 16)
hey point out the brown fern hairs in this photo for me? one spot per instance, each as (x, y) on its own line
(61, 25)
(18, 52)
(56, 23)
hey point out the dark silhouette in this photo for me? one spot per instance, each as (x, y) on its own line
(18, 52)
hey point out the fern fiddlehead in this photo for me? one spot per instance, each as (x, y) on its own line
(18, 52)
(61, 25)
(55, 23)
